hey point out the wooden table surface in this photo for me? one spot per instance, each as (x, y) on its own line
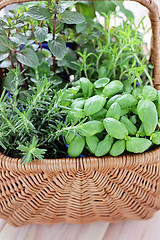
(128, 230)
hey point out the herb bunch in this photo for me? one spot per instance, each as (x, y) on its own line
(107, 118)
(29, 119)
(100, 51)
(115, 52)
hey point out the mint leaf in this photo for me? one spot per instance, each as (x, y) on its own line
(5, 45)
(39, 13)
(41, 33)
(19, 39)
(28, 57)
(70, 17)
(58, 47)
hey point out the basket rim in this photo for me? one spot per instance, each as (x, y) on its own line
(75, 164)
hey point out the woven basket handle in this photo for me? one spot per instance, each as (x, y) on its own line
(155, 22)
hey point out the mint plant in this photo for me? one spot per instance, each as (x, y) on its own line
(23, 31)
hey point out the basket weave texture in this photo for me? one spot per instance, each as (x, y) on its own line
(84, 190)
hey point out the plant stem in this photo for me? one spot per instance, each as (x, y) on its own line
(78, 8)
(145, 70)
(94, 9)
(32, 27)
(40, 46)
(54, 32)
(10, 54)
(11, 59)
(21, 69)
(40, 43)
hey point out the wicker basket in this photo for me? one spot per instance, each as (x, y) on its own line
(86, 189)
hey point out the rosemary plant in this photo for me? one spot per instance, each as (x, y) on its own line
(29, 119)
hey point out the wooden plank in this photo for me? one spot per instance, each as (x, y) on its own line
(10, 233)
(2, 224)
(94, 231)
(139, 230)
(64, 231)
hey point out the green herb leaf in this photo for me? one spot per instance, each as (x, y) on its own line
(148, 114)
(137, 145)
(92, 143)
(117, 148)
(5, 45)
(91, 128)
(104, 7)
(28, 57)
(87, 87)
(75, 115)
(126, 100)
(114, 111)
(39, 13)
(41, 33)
(155, 137)
(58, 47)
(115, 128)
(102, 82)
(3, 56)
(70, 17)
(31, 151)
(19, 39)
(149, 93)
(94, 104)
(112, 88)
(129, 125)
(76, 146)
(104, 146)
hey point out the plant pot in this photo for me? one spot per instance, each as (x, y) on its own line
(83, 190)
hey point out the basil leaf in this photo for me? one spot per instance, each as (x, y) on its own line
(115, 128)
(156, 138)
(92, 143)
(148, 115)
(91, 128)
(76, 146)
(118, 148)
(94, 104)
(149, 93)
(102, 82)
(87, 87)
(104, 146)
(137, 145)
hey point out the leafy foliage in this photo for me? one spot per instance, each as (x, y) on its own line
(99, 51)
(133, 126)
(28, 57)
(29, 119)
(58, 47)
(39, 113)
